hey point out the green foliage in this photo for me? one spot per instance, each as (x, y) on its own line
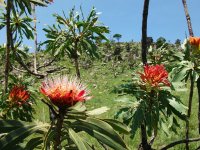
(17, 131)
(154, 108)
(117, 36)
(168, 55)
(23, 112)
(76, 120)
(75, 35)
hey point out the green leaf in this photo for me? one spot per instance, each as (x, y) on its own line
(179, 109)
(137, 120)
(118, 126)
(80, 107)
(102, 131)
(180, 74)
(33, 143)
(77, 139)
(98, 111)
(9, 125)
(16, 136)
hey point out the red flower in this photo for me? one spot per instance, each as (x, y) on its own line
(63, 91)
(195, 44)
(195, 41)
(18, 95)
(154, 76)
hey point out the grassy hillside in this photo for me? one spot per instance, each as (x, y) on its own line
(102, 76)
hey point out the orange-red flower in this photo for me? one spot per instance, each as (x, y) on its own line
(18, 95)
(195, 42)
(63, 91)
(155, 76)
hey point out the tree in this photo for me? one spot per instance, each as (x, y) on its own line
(74, 36)
(161, 41)
(35, 33)
(178, 42)
(144, 31)
(15, 25)
(144, 143)
(117, 37)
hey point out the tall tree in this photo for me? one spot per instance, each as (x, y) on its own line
(8, 44)
(35, 38)
(16, 8)
(35, 33)
(117, 36)
(144, 31)
(144, 145)
(191, 75)
(75, 36)
(188, 18)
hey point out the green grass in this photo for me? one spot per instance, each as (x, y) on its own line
(101, 80)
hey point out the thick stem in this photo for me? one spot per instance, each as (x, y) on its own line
(198, 88)
(8, 45)
(191, 77)
(75, 56)
(59, 124)
(189, 109)
(144, 31)
(188, 18)
(144, 145)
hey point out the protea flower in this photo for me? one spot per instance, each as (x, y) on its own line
(18, 95)
(64, 92)
(154, 76)
(195, 43)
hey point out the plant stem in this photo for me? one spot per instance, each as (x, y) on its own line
(144, 145)
(189, 109)
(191, 76)
(77, 68)
(198, 88)
(180, 142)
(59, 124)
(144, 31)
(8, 33)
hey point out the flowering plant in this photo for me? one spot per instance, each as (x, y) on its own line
(18, 104)
(154, 107)
(18, 95)
(65, 98)
(154, 77)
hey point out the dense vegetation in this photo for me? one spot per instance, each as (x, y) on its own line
(79, 90)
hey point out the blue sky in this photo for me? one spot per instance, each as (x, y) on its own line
(166, 17)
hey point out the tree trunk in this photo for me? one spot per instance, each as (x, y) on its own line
(77, 67)
(144, 145)
(75, 56)
(144, 31)
(188, 18)
(191, 77)
(8, 45)
(35, 39)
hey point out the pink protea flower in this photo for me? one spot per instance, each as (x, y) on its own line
(18, 95)
(63, 91)
(155, 76)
